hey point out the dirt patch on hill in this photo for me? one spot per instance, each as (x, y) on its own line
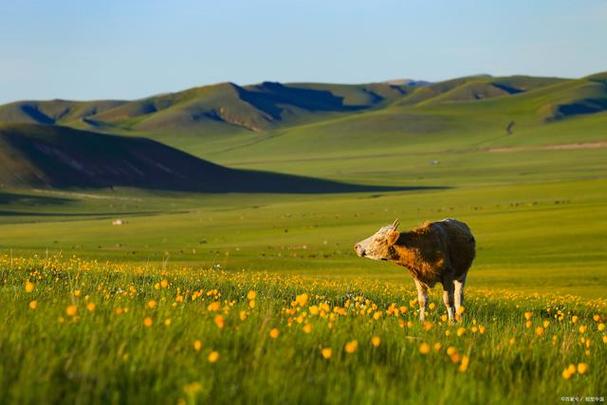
(565, 146)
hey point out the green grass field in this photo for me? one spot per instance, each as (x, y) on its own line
(536, 204)
(84, 332)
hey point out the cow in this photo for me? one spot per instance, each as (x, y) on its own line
(434, 252)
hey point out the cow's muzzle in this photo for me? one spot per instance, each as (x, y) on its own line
(360, 251)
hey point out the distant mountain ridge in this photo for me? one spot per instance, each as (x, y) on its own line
(269, 105)
(255, 108)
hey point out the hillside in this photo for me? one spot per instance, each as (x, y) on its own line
(227, 108)
(54, 111)
(58, 157)
(224, 106)
(267, 122)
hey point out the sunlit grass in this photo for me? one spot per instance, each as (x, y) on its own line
(82, 331)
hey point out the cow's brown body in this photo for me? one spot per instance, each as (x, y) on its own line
(436, 252)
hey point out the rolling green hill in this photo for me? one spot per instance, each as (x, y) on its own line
(224, 106)
(43, 156)
(327, 130)
(226, 119)
(227, 108)
(54, 111)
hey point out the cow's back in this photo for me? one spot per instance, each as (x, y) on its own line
(461, 245)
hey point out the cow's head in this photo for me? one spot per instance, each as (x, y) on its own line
(378, 246)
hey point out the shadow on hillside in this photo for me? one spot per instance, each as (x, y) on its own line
(249, 181)
(66, 158)
(580, 107)
(270, 97)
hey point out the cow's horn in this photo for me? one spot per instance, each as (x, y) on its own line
(396, 223)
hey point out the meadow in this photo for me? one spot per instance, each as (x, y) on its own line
(259, 298)
(88, 332)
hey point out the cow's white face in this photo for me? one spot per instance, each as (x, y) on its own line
(378, 246)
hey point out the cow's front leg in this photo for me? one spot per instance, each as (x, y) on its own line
(422, 298)
(448, 297)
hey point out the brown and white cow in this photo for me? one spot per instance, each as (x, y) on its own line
(435, 252)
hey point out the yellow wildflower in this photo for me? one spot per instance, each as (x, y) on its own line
(197, 345)
(351, 346)
(29, 286)
(464, 364)
(33, 304)
(375, 341)
(569, 371)
(90, 306)
(307, 328)
(251, 295)
(71, 310)
(213, 357)
(192, 389)
(274, 333)
(424, 348)
(219, 321)
(326, 353)
(302, 299)
(582, 368)
(148, 322)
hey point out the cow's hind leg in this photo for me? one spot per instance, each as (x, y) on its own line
(459, 293)
(422, 298)
(448, 297)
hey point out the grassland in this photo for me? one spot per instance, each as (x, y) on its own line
(538, 214)
(84, 332)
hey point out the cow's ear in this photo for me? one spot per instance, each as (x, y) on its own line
(393, 237)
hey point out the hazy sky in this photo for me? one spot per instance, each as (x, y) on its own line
(81, 49)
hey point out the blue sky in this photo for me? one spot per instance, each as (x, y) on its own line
(77, 49)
